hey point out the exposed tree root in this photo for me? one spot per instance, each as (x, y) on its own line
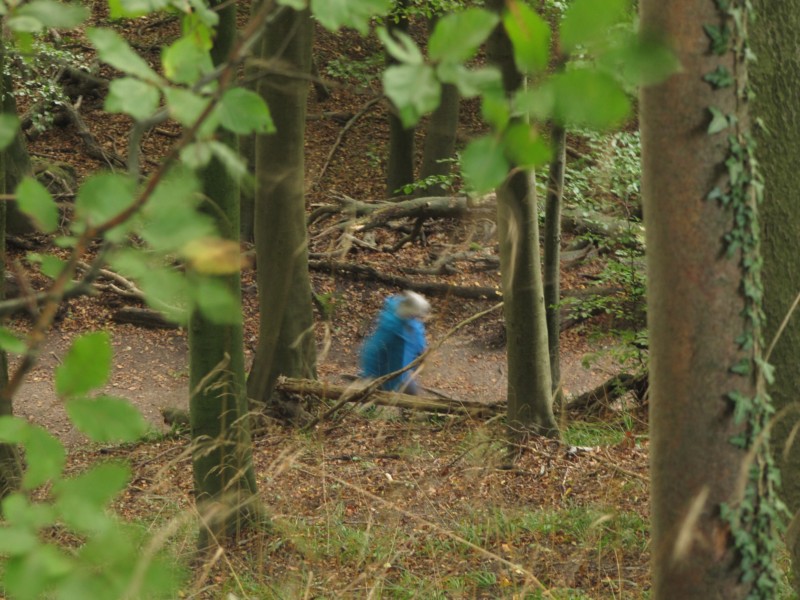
(606, 393)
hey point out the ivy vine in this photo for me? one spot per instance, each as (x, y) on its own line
(757, 518)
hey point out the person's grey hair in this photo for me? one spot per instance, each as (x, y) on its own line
(413, 305)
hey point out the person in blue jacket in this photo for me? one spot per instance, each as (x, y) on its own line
(398, 338)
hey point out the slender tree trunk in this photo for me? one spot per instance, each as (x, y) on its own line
(224, 479)
(10, 466)
(286, 336)
(552, 253)
(530, 402)
(695, 316)
(17, 166)
(400, 165)
(776, 77)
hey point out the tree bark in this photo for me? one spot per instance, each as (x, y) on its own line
(776, 77)
(440, 138)
(530, 402)
(400, 164)
(286, 338)
(17, 166)
(224, 480)
(694, 314)
(552, 254)
(10, 465)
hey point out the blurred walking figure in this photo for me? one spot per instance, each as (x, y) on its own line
(398, 339)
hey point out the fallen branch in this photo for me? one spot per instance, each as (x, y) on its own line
(327, 391)
(424, 287)
(93, 148)
(142, 317)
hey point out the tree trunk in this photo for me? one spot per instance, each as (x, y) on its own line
(440, 139)
(552, 253)
(776, 77)
(286, 335)
(224, 479)
(530, 401)
(400, 164)
(17, 166)
(696, 317)
(10, 466)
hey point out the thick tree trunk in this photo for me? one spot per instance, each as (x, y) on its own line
(286, 336)
(776, 77)
(10, 466)
(400, 164)
(695, 314)
(530, 401)
(224, 479)
(17, 165)
(440, 138)
(552, 253)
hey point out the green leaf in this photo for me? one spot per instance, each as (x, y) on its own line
(495, 109)
(233, 162)
(720, 38)
(15, 541)
(86, 366)
(107, 419)
(34, 200)
(457, 37)
(524, 147)
(413, 89)
(54, 15)
(103, 197)
(13, 430)
(81, 501)
(18, 509)
(333, 14)
(400, 46)
(530, 37)
(641, 61)
(197, 155)
(583, 97)
(483, 164)
(243, 111)
(186, 107)
(132, 97)
(49, 265)
(28, 577)
(470, 82)
(170, 220)
(295, 4)
(24, 25)
(719, 121)
(187, 60)
(114, 50)
(586, 21)
(11, 343)
(9, 125)
(165, 289)
(131, 9)
(216, 301)
(45, 457)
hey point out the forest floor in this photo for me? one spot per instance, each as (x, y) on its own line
(372, 504)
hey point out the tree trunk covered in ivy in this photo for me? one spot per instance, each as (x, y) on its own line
(696, 317)
(776, 79)
(552, 253)
(224, 479)
(400, 164)
(10, 466)
(530, 402)
(286, 336)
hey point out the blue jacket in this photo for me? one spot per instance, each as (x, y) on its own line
(394, 343)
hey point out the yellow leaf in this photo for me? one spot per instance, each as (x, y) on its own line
(213, 256)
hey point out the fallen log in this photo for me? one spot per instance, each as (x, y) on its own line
(142, 317)
(602, 396)
(438, 405)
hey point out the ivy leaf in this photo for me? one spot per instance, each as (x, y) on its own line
(35, 201)
(458, 36)
(114, 50)
(720, 77)
(9, 125)
(586, 21)
(530, 36)
(52, 14)
(333, 14)
(107, 419)
(86, 366)
(244, 111)
(133, 97)
(483, 164)
(720, 38)
(413, 89)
